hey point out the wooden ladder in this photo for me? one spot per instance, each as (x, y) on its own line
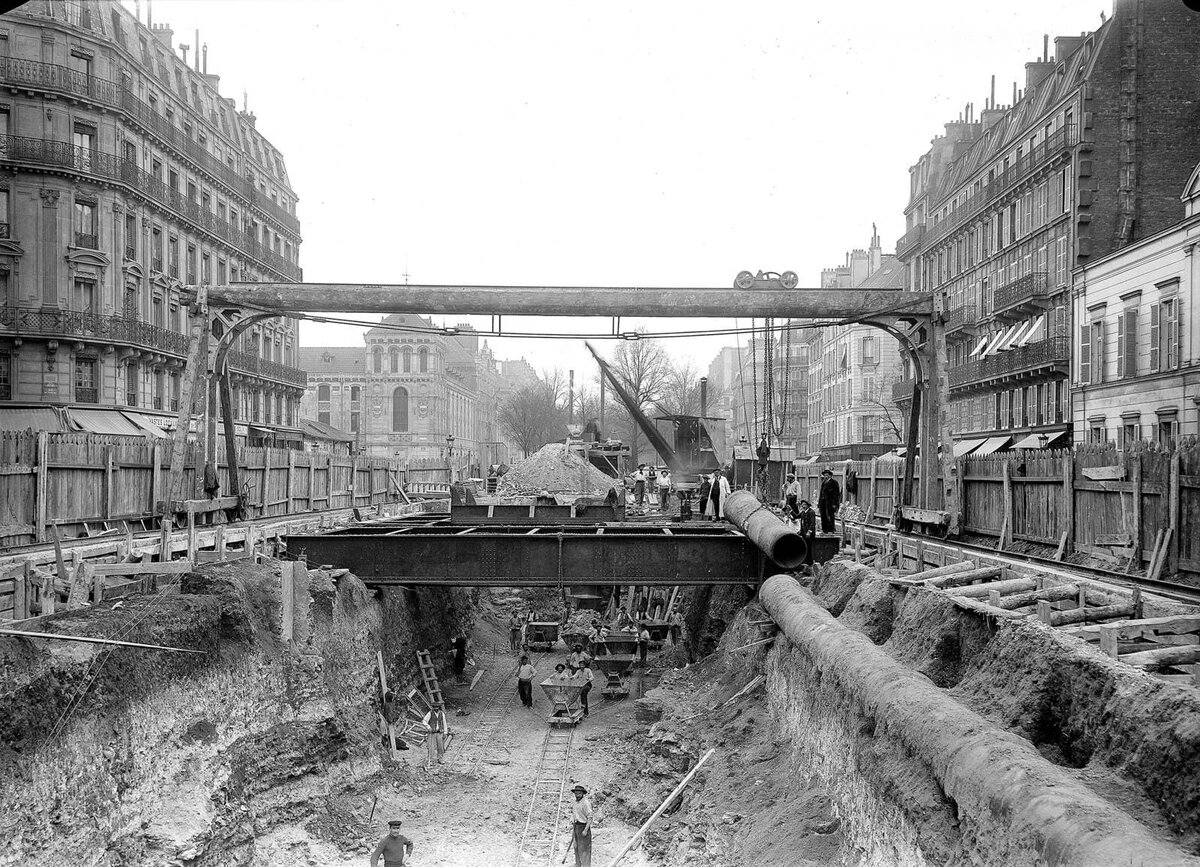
(429, 676)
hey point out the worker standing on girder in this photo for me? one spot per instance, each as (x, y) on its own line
(702, 494)
(664, 490)
(829, 500)
(394, 848)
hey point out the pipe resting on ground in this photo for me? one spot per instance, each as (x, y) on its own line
(997, 779)
(765, 529)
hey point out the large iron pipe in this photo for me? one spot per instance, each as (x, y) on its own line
(571, 300)
(1000, 785)
(765, 529)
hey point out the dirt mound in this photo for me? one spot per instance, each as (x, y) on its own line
(553, 469)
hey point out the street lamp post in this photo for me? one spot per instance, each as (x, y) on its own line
(450, 456)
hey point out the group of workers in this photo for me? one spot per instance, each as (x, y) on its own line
(395, 848)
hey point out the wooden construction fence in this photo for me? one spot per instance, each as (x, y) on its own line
(84, 483)
(1138, 508)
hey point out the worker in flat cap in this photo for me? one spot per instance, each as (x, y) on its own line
(394, 848)
(582, 836)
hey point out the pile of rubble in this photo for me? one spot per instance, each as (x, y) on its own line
(555, 470)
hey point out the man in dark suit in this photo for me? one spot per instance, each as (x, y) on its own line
(829, 500)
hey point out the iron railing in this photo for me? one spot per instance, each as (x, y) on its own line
(158, 402)
(87, 240)
(902, 389)
(911, 241)
(131, 398)
(173, 270)
(1052, 351)
(1027, 288)
(86, 394)
(4, 230)
(248, 363)
(1044, 154)
(53, 322)
(66, 156)
(174, 404)
(130, 253)
(960, 317)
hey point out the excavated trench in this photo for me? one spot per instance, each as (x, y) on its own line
(882, 726)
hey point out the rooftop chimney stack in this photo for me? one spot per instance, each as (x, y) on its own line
(150, 14)
(197, 44)
(993, 102)
(1045, 48)
(206, 58)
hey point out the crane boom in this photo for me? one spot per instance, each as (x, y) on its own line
(657, 440)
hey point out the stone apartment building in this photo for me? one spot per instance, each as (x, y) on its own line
(1088, 158)
(410, 388)
(1137, 368)
(127, 175)
(852, 369)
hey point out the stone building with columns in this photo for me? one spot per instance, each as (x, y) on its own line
(125, 175)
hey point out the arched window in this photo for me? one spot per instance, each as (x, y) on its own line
(400, 410)
(408, 359)
(423, 359)
(394, 359)
(377, 359)
(322, 392)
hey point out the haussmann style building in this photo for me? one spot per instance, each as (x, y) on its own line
(124, 176)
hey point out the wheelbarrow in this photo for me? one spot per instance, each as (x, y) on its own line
(616, 668)
(565, 706)
(541, 635)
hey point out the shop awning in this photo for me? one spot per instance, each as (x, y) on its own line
(965, 447)
(321, 431)
(104, 421)
(983, 341)
(1034, 331)
(993, 444)
(41, 418)
(1015, 340)
(146, 424)
(1033, 441)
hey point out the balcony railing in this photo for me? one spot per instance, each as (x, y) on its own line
(1059, 143)
(248, 363)
(62, 79)
(191, 278)
(131, 398)
(86, 394)
(1053, 351)
(174, 404)
(99, 327)
(902, 390)
(173, 270)
(911, 242)
(4, 230)
(130, 253)
(63, 155)
(158, 401)
(1024, 289)
(156, 264)
(87, 240)
(961, 317)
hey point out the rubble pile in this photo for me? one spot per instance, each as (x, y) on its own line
(553, 469)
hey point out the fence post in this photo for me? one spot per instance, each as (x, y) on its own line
(156, 476)
(43, 478)
(874, 474)
(312, 478)
(106, 511)
(1068, 491)
(1136, 483)
(264, 490)
(1007, 529)
(291, 473)
(21, 584)
(1173, 517)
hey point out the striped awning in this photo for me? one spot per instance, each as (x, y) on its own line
(965, 447)
(993, 444)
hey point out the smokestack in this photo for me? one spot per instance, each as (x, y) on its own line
(703, 396)
(137, 10)
(206, 58)
(150, 14)
(197, 44)
(1014, 102)
(184, 48)
(993, 102)
(571, 397)
(1045, 47)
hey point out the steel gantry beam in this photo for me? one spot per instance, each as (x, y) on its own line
(523, 556)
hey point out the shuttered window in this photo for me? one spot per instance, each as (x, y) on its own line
(1127, 344)
(1085, 354)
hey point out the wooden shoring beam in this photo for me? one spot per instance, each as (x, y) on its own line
(86, 639)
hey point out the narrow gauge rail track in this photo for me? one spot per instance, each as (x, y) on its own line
(495, 709)
(1172, 590)
(543, 818)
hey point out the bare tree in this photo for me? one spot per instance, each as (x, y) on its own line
(681, 390)
(533, 416)
(645, 368)
(877, 394)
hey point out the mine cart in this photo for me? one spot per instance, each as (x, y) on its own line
(616, 668)
(541, 635)
(659, 630)
(565, 706)
(618, 643)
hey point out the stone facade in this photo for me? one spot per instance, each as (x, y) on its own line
(1137, 361)
(852, 369)
(409, 387)
(126, 177)
(1088, 158)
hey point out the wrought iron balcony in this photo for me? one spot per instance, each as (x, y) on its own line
(191, 278)
(86, 394)
(173, 270)
(1024, 362)
(1016, 298)
(247, 363)
(130, 253)
(910, 243)
(60, 79)
(42, 152)
(156, 264)
(961, 318)
(174, 404)
(4, 230)
(94, 327)
(902, 390)
(158, 402)
(87, 240)
(131, 398)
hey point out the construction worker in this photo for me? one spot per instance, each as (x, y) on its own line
(514, 632)
(582, 813)
(525, 674)
(584, 671)
(791, 496)
(643, 644)
(829, 500)
(664, 490)
(394, 848)
(808, 531)
(460, 657)
(577, 657)
(676, 623)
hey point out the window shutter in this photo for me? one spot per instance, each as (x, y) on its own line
(1154, 336)
(1121, 317)
(1129, 338)
(1098, 351)
(1173, 335)
(1085, 354)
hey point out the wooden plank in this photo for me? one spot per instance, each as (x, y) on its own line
(1115, 539)
(216, 504)
(80, 586)
(175, 567)
(958, 579)
(58, 555)
(1007, 493)
(287, 598)
(1068, 507)
(1055, 593)
(985, 590)
(1163, 554)
(1062, 545)
(17, 530)
(1172, 538)
(1082, 615)
(974, 605)
(1176, 654)
(54, 636)
(17, 470)
(1097, 474)
(192, 545)
(383, 691)
(1136, 542)
(107, 498)
(156, 491)
(21, 592)
(43, 479)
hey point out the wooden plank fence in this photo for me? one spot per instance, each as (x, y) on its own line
(1117, 504)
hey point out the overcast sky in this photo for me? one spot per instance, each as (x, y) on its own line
(568, 143)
